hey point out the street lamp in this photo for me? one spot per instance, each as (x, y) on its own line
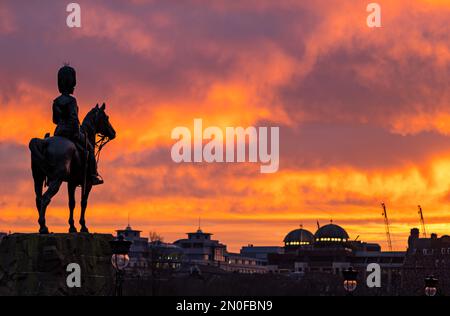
(431, 286)
(350, 282)
(120, 260)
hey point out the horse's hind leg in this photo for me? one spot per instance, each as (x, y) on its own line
(39, 179)
(38, 188)
(71, 190)
(53, 188)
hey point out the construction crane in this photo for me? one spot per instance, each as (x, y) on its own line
(422, 222)
(386, 224)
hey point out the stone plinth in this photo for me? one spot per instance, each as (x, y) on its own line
(32, 264)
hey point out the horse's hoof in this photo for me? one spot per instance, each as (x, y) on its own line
(84, 230)
(73, 230)
(44, 231)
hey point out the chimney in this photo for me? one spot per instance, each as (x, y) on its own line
(412, 238)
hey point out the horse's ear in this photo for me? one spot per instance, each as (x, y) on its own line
(103, 107)
(96, 106)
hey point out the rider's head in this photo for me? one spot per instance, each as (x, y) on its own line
(67, 80)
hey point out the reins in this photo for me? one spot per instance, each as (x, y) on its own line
(99, 145)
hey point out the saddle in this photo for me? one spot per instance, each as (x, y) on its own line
(82, 149)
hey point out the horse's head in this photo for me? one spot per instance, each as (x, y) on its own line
(103, 126)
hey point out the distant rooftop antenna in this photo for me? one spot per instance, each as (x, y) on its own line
(318, 224)
(301, 234)
(386, 225)
(422, 222)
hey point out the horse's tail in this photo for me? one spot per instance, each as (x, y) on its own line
(37, 148)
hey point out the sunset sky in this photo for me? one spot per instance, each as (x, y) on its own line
(364, 114)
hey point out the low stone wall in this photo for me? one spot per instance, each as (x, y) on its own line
(32, 264)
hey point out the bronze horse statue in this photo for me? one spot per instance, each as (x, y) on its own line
(55, 160)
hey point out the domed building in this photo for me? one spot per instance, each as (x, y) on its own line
(330, 234)
(298, 238)
(331, 251)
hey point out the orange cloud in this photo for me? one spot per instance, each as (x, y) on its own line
(160, 65)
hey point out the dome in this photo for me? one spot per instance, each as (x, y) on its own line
(331, 233)
(299, 237)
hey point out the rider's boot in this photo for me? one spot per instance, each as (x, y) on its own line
(95, 178)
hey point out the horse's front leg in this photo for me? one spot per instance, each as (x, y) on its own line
(71, 187)
(84, 201)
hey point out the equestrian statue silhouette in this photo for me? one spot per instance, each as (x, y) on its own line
(71, 155)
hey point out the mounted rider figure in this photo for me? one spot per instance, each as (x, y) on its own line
(65, 116)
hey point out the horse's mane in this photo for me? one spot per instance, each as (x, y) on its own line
(89, 116)
(88, 124)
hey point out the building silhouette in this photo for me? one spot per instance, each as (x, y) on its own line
(330, 250)
(427, 257)
(260, 252)
(200, 248)
(139, 250)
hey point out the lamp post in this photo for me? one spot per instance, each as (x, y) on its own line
(350, 282)
(120, 260)
(431, 286)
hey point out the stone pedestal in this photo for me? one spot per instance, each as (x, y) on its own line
(32, 264)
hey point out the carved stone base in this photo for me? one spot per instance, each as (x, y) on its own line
(32, 264)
